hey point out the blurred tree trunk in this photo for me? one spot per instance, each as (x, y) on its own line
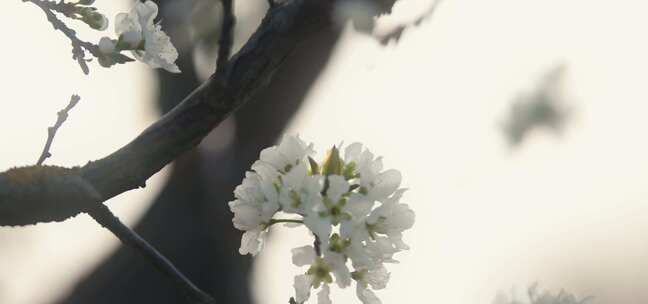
(190, 221)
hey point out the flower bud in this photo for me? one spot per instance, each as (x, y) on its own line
(106, 46)
(85, 2)
(95, 20)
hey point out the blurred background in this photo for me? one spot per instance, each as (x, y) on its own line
(517, 126)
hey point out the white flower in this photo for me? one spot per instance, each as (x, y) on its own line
(252, 211)
(138, 32)
(350, 204)
(391, 219)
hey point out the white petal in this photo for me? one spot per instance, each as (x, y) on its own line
(338, 264)
(352, 152)
(272, 157)
(294, 149)
(367, 296)
(395, 198)
(386, 183)
(302, 256)
(377, 277)
(338, 186)
(296, 176)
(323, 297)
(358, 206)
(126, 23)
(146, 12)
(251, 242)
(302, 287)
(321, 227)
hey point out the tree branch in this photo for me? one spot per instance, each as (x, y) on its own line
(226, 36)
(78, 45)
(51, 131)
(108, 220)
(283, 28)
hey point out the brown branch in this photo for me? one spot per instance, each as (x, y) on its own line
(51, 131)
(283, 28)
(108, 220)
(226, 36)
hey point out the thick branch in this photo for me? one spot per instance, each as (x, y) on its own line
(283, 28)
(226, 36)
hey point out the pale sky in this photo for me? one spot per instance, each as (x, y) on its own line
(568, 211)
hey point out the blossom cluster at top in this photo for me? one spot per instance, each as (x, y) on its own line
(349, 204)
(138, 33)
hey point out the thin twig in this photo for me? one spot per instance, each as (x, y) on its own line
(78, 46)
(51, 131)
(226, 36)
(108, 220)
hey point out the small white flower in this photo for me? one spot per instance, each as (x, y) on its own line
(138, 32)
(392, 219)
(252, 212)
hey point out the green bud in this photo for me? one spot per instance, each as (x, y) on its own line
(333, 165)
(314, 167)
(95, 20)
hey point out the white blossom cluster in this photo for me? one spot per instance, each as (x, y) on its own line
(349, 203)
(138, 33)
